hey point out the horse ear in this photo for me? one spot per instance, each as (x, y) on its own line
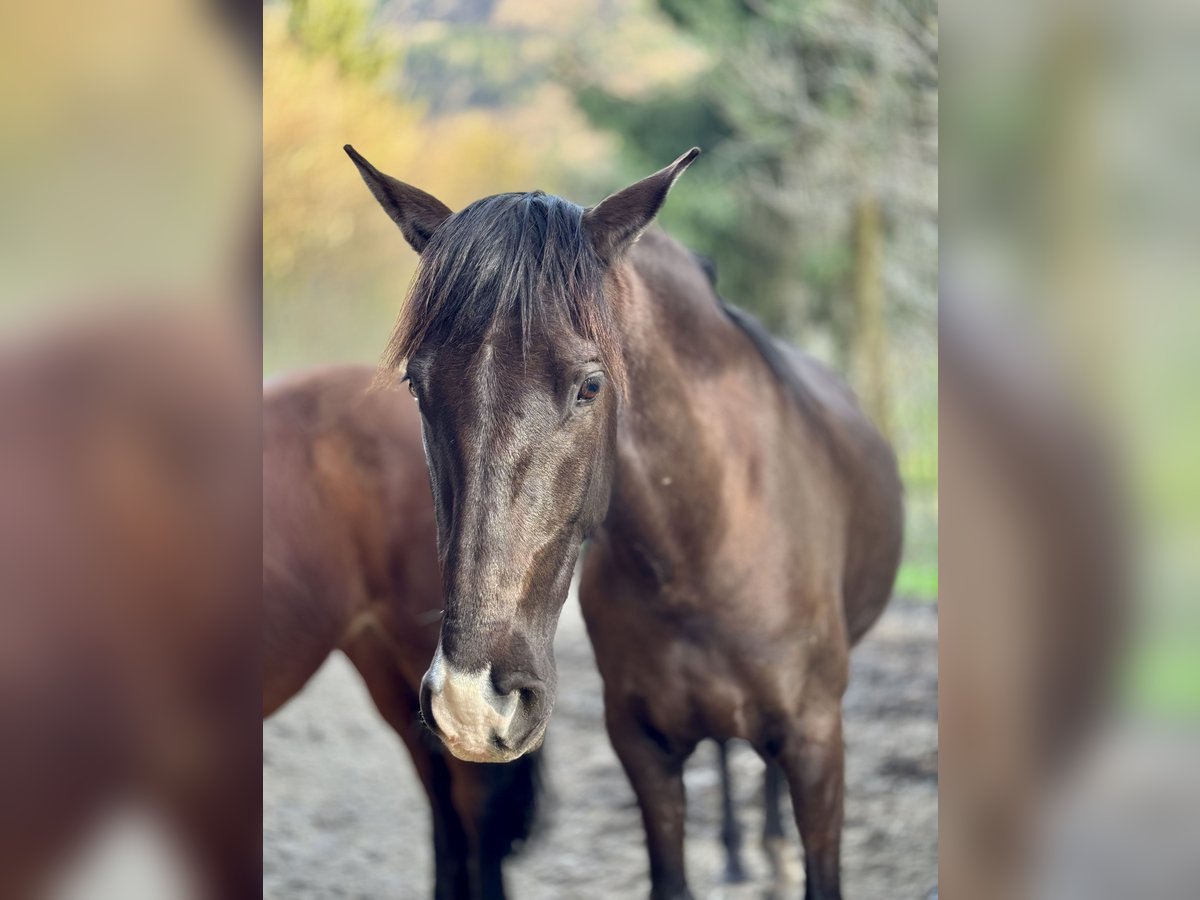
(616, 222)
(417, 213)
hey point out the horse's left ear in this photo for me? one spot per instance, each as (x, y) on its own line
(615, 223)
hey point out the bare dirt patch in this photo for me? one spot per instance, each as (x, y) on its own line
(344, 815)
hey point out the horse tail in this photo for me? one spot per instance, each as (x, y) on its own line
(515, 804)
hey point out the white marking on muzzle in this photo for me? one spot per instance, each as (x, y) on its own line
(468, 710)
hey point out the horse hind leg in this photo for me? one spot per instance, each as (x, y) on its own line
(731, 828)
(774, 839)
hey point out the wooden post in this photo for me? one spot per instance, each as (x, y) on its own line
(869, 340)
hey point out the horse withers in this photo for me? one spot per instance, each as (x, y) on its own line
(745, 517)
(350, 563)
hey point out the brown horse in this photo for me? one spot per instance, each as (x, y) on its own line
(745, 518)
(350, 563)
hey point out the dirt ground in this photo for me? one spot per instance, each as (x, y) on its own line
(344, 815)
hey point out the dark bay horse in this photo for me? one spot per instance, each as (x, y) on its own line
(350, 563)
(744, 517)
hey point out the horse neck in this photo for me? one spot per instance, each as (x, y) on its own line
(686, 417)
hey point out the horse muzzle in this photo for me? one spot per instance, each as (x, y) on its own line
(477, 721)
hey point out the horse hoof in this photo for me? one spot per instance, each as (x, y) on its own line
(784, 869)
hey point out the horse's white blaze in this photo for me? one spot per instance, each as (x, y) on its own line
(468, 710)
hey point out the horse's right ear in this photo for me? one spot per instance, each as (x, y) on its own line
(417, 213)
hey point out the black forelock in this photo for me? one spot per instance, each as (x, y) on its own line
(510, 257)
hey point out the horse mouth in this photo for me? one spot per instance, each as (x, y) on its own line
(496, 751)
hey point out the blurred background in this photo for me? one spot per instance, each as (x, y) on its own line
(816, 194)
(1070, 572)
(129, 449)
(1068, 625)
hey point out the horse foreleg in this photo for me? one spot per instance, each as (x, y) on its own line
(655, 769)
(473, 793)
(490, 878)
(453, 876)
(398, 703)
(731, 829)
(813, 760)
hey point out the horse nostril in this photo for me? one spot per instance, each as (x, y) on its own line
(530, 696)
(426, 701)
(529, 688)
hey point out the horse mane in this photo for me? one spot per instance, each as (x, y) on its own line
(775, 353)
(708, 264)
(513, 256)
(770, 348)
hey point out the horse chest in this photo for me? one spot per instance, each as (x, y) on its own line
(681, 679)
(688, 660)
(700, 696)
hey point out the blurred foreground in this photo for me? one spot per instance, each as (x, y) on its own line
(129, 448)
(129, 559)
(1070, 641)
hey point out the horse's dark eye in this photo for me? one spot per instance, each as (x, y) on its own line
(412, 390)
(589, 389)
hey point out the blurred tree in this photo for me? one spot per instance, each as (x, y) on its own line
(335, 269)
(819, 121)
(340, 30)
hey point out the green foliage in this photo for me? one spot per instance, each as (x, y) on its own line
(651, 127)
(802, 111)
(472, 67)
(1164, 675)
(918, 579)
(340, 30)
(335, 268)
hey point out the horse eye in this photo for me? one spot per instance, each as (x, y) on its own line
(589, 389)
(412, 390)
